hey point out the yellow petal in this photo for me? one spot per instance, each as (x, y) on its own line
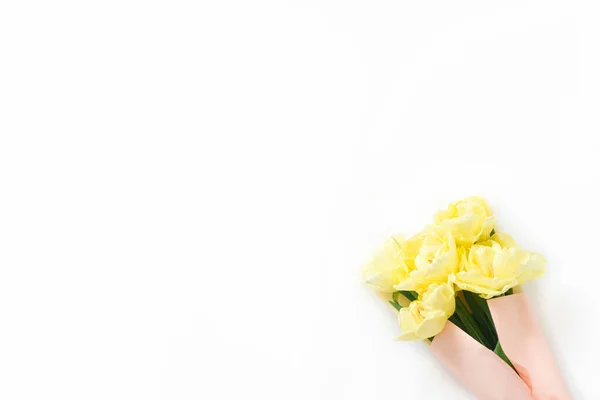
(469, 220)
(431, 326)
(494, 266)
(436, 261)
(440, 298)
(386, 269)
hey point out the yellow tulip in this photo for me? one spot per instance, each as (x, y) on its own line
(412, 246)
(469, 220)
(435, 261)
(427, 317)
(492, 267)
(387, 268)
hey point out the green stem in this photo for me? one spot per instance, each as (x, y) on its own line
(488, 315)
(482, 317)
(470, 324)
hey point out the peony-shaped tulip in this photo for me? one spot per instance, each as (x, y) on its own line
(492, 267)
(431, 258)
(426, 317)
(387, 268)
(468, 220)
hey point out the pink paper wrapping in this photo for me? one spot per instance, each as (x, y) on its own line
(526, 347)
(476, 367)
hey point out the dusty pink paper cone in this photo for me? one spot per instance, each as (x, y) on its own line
(525, 345)
(476, 367)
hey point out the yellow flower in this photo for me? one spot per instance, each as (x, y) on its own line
(387, 268)
(492, 267)
(434, 260)
(468, 220)
(427, 317)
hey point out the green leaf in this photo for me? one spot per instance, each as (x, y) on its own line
(469, 323)
(411, 296)
(456, 321)
(481, 314)
(498, 350)
(493, 232)
(396, 305)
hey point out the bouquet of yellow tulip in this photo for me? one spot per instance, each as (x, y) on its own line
(454, 285)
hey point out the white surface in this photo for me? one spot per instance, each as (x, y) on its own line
(188, 189)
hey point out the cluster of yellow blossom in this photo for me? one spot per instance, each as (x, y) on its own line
(460, 251)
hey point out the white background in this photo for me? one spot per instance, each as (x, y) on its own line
(189, 189)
